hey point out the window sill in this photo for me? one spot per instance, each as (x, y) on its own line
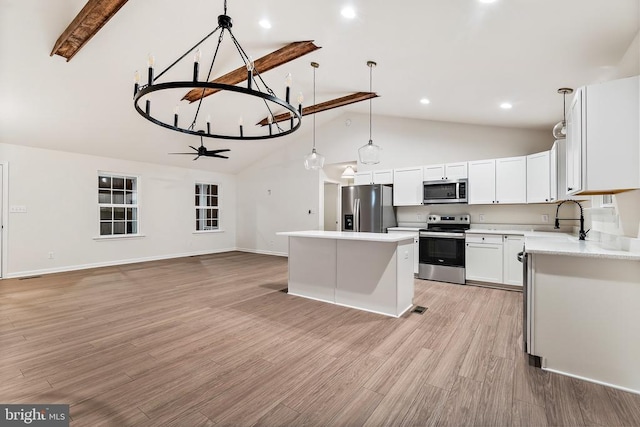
(208, 231)
(119, 236)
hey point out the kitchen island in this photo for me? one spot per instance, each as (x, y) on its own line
(583, 309)
(367, 271)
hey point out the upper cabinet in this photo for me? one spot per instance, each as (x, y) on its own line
(407, 186)
(482, 182)
(539, 177)
(445, 171)
(498, 181)
(373, 177)
(603, 138)
(362, 178)
(383, 176)
(511, 180)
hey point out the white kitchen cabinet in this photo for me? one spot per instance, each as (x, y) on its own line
(482, 182)
(603, 138)
(539, 177)
(553, 173)
(362, 178)
(511, 267)
(407, 187)
(445, 171)
(574, 145)
(511, 180)
(383, 176)
(484, 258)
(416, 246)
(373, 177)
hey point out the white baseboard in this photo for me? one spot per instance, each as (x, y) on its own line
(261, 252)
(113, 263)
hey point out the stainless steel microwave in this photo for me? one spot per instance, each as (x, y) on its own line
(445, 191)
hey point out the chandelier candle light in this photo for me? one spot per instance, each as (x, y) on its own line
(314, 160)
(369, 153)
(256, 88)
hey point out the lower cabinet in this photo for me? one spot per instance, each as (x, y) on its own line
(483, 258)
(512, 268)
(416, 246)
(492, 258)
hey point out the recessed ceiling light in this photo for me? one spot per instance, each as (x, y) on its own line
(506, 106)
(264, 23)
(348, 12)
(487, 1)
(425, 101)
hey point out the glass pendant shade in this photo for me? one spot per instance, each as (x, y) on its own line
(369, 154)
(560, 130)
(314, 160)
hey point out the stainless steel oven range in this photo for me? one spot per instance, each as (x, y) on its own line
(441, 251)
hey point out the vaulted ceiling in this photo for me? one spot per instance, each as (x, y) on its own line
(465, 56)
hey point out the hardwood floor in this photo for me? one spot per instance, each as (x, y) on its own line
(214, 340)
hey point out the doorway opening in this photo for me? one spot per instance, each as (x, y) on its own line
(331, 206)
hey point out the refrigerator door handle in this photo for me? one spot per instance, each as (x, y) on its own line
(356, 215)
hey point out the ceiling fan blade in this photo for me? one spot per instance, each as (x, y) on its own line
(196, 158)
(190, 154)
(211, 152)
(193, 148)
(218, 155)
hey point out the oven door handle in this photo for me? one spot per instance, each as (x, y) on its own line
(442, 234)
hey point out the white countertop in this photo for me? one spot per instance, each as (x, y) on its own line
(571, 246)
(350, 235)
(558, 243)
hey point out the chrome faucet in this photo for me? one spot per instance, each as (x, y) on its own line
(582, 234)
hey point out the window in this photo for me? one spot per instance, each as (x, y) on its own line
(118, 204)
(207, 211)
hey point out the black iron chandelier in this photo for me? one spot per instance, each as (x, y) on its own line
(255, 88)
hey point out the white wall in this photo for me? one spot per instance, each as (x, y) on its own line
(405, 142)
(59, 190)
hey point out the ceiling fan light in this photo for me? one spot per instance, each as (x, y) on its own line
(369, 154)
(348, 173)
(313, 160)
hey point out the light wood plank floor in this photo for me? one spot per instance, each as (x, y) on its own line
(214, 340)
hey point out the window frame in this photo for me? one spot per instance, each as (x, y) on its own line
(136, 205)
(216, 207)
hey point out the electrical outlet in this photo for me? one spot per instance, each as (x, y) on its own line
(545, 217)
(418, 217)
(481, 217)
(18, 209)
(50, 255)
(271, 243)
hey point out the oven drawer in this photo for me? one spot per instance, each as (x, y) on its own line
(484, 238)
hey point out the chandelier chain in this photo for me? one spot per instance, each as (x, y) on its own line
(215, 54)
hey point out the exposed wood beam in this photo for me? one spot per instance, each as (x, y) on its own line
(272, 60)
(85, 25)
(324, 106)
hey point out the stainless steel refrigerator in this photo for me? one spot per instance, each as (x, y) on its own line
(368, 208)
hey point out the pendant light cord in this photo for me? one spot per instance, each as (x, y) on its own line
(314, 103)
(370, 91)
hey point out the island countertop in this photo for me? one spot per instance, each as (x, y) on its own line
(350, 235)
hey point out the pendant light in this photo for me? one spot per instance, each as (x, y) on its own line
(560, 129)
(314, 160)
(369, 153)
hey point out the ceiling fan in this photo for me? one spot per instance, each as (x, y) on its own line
(202, 150)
